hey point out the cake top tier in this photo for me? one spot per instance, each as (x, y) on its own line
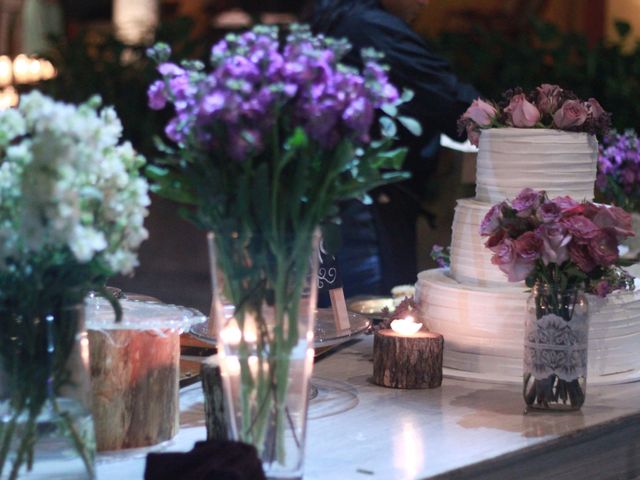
(560, 162)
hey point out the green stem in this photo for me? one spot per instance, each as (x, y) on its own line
(7, 437)
(77, 441)
(27, 442)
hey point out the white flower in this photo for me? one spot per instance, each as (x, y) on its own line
(67, 183)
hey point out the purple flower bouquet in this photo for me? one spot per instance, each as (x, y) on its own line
(618, 179)
(548, 106)
(264, 143)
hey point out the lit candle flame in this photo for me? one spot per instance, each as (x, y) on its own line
(406, 326)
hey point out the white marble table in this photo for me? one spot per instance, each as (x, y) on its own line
(468, 430)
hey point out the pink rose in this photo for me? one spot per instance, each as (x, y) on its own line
(491, 221)
(565, 203)
(473, 134)
(570, 115)
(494, 240)
(579, 254)
(481, 112)
(527, 202)
(509, 262)
(548, 212)
(594, 109)
(554, 243)
(548, 99)
(603, 248)
(616, 220)
(521, 113)
(528, 246)
(581, 228)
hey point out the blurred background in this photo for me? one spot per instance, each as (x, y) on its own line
(72, 49)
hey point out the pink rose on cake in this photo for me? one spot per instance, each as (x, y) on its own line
(571, 114)
(558, 241)
(480, 112)
(521, 113)
(547, 106)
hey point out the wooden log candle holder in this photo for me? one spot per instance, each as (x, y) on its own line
(134, 378)
(407, 361)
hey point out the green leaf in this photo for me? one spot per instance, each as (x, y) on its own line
(297, 140)
(389, 109)
(411, 124)
(407, 95)
(391, 158)
(388, 127)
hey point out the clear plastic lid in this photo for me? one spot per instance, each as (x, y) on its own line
(140, 315)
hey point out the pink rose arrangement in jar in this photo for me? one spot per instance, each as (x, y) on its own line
(562, 249)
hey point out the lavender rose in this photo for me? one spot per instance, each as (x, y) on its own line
(521, 113)
(548, 212)
(527, 202)
(491, 220)
(508, 260)
(548, 99)
(594, 109)
(480, 112)
(616, 220)
(555, 239)
(581, 228)
(565, 202)
(571, 114)
(603, 248)
(579, 254)
(473, 134)
(528, 246)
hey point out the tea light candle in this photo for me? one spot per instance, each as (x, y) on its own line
(406, 356)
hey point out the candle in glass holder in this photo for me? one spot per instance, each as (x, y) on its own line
(406, 356)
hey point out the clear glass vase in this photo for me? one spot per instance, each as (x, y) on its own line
(265, 294)
(556, 348)
(46, 428)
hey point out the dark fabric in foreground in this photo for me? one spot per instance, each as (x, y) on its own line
(216, 460)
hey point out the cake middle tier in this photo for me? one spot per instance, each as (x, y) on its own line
(510, 159)
(470, 259)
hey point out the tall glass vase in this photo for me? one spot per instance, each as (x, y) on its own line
(46, 429)
(556, 348)
(265, 294)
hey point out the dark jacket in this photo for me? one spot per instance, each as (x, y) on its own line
(440, 98)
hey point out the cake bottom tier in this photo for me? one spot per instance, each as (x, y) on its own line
(483, 330)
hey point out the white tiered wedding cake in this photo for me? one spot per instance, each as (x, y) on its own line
(480, 313)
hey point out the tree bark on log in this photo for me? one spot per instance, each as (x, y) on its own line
(407, 361)
(134, 381)
(213, 399)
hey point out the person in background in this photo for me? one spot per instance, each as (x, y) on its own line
(379, 241)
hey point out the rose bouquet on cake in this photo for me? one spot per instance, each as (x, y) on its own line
(548, 106)
(561, 248)
(264, 143)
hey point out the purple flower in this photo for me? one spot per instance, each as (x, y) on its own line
(491, 221)
(548, 212)
(555, 239)
(581, 228)
(358, 116)
(508, 261)
(156, 95)
(527, 202)
(169, 69)
(565, 202)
